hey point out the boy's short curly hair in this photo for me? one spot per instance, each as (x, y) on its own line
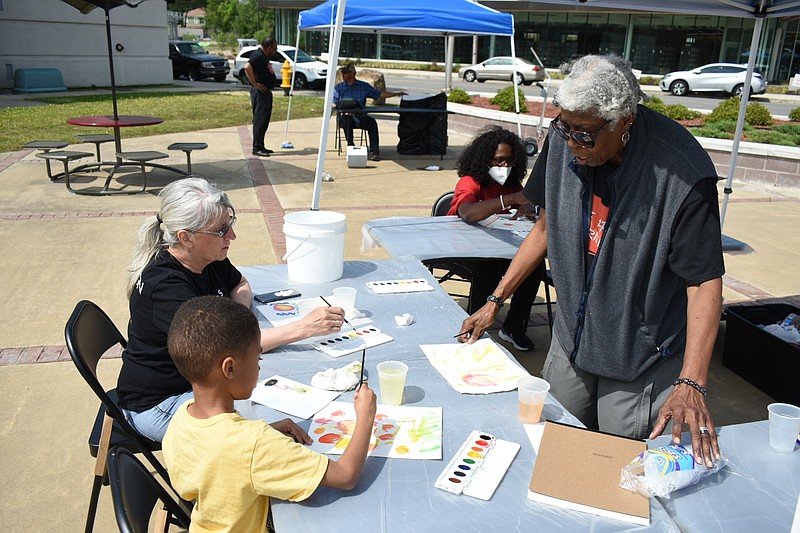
(207, 328)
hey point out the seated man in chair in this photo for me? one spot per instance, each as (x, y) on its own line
(359, 91)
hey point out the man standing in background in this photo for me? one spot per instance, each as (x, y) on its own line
(262, 80)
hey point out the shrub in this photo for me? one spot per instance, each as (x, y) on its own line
(656, 104)
(649, 80)
(459, 96)
(681, 112)
(771, 137)
(794, 114)
(757, 114)
(505, 99)
(791, 129)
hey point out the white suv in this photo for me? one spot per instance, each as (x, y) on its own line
(310, 74)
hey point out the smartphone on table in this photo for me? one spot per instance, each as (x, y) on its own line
(269, 297)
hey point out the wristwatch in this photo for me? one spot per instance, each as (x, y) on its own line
(494, 299)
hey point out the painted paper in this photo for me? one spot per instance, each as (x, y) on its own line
(399, 431)
(479, 368)
(291, 397)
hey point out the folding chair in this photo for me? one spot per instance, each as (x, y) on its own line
(89, 334)
(455, 271)
(135, 492)
(342, 118)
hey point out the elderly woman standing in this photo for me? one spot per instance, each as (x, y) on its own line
(182, 252)
(630, 221)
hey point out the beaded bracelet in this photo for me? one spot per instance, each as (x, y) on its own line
(693, 384)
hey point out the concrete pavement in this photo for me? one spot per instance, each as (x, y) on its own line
(61, 248)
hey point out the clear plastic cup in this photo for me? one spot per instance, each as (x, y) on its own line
(532, 396)
(392, 380)
(345, 297)
(784, 425)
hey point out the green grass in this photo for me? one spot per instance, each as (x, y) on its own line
(180, 111)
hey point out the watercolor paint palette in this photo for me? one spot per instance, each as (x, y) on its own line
(347, 342)
(478, 467)
(396, 286)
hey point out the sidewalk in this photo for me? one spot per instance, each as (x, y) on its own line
(62, 248)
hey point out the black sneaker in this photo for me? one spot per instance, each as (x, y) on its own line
(520, 341)
(261, 153)
(375, 156)
(269, 151)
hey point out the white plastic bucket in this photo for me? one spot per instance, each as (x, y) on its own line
(314, 245)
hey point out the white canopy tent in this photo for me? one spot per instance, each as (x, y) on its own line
(756, 9)
(447, 18)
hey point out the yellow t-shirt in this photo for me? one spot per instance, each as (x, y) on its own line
(231, 466)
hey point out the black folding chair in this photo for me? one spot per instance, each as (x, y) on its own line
(135, 492)
(454, 271)
(89, 334)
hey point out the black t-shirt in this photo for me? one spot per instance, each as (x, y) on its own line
(262, 69)
(148, 374)
(695, 249)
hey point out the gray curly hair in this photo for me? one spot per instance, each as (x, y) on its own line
(602, 85)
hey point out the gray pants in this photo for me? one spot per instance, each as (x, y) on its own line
(621, 407)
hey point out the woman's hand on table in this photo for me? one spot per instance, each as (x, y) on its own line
(524, 211)
(476, 324)
(323, 320)
(288, 427)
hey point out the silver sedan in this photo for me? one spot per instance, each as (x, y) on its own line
(502, 68)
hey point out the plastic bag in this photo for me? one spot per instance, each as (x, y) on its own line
(662, 470)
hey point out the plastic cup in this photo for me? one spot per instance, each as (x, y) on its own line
(392, 380)
(784, 425)
(532, 395)
(345, 297)
(308, 305)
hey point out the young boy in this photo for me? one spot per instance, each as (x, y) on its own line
(232, 466)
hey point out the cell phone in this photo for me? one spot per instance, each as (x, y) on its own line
(284, 294)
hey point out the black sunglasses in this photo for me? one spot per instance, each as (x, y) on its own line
(583, 138)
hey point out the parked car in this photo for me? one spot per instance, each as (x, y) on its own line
(501, 68)
(715, 77)
(310, 72)
(191, 60)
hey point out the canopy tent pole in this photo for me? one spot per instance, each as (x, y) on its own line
(449, 46)
(333, 61)
(287, 144)
(737, 137)
(514, 79)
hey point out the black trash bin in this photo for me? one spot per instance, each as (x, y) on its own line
(423, 133)
(764, 360)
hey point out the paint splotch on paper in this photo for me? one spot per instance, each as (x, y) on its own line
(397, 431)
(479, 368)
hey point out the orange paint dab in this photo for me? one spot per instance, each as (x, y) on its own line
(319, 430)
(329, 438)
(386, 436)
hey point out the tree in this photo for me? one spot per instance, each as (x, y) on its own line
(238, 18)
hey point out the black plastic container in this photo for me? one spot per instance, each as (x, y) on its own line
(764, 360)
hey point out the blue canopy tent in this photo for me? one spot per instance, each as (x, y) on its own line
(448, 18)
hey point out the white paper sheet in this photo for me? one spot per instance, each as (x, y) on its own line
(399, 431)
(291, 397)
(479, 368)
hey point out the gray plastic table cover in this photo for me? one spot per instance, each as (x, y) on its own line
(757, 491)
(438, 238)
(398, 495)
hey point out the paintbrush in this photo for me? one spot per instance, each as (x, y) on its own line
(363, 352)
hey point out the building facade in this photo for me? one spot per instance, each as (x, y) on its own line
(53, 34)
(655, 43)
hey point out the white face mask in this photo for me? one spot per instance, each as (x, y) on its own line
(499, 174)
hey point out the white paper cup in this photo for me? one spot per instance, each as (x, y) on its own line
(392, 380)
(345, 297)
(532, 395)
(784, 425)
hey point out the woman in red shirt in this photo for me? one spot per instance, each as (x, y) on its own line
(492, 168)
